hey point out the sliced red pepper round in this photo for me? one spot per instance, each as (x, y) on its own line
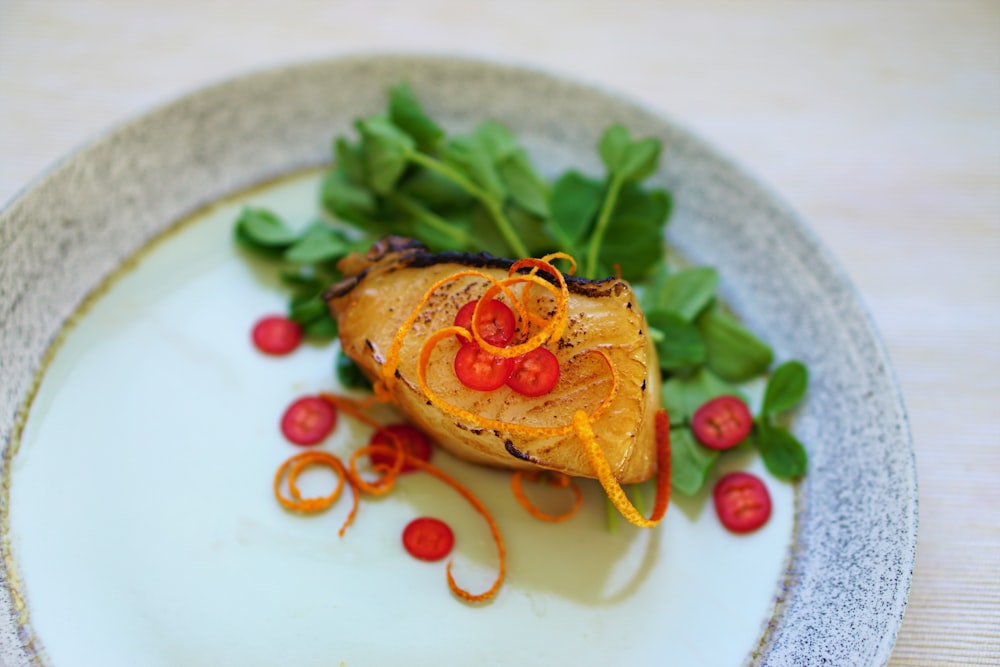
(308, 420)
(276, 335)
(535, 373)
(478, 369)
(742, 502)
(413, 441)
(428, 538)
(722, 422)
(496, 324)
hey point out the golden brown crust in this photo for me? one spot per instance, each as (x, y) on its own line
(380, 292)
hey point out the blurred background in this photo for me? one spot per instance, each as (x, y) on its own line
(878, 121)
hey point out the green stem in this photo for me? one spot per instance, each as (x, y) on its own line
(614, 187)
(639, 497)
(493, 206)
(612, 514)
(432, 220)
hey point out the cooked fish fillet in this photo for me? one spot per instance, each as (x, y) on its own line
(382, 288)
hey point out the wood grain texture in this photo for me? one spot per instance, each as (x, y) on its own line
(879, 122)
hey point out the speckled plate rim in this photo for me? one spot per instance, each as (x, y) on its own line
(845, 592)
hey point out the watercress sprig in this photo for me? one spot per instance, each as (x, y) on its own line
(478, 191)
(307, 261)
(783, 454)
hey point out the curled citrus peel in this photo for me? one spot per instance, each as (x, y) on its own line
(470, 417)
(383, 485)
(547, 259)
(476, 504)
(582, 422)
(556, 479)
(550, 330)
(392, 355)
(616, 494)
(289, 472)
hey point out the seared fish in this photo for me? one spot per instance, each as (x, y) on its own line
(380, 291)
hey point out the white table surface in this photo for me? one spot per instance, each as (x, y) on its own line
(878, 121)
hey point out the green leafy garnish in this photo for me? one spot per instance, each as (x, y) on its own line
(480, 192)
(318, 243)
(782, 452)
(678, 343)
(690, 462)
(682, 395)
(349, 373)
(573, 203)
(734, 353)
(784, 456)
(307, 259)
(403, 173)
(785, 388)
(687, 292)
(263, 231)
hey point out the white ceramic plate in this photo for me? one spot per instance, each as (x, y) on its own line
(139, 427)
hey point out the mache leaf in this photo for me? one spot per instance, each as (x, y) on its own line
(306, 308)
(386, 152)
(349, 159)
(686, 292)
(633, 244)
(264, 230)
(349, 374)
(434, 190)
(690, 462)
(682, 395)
(573, 203)
(530, 228)
(470, 156)
(324, 327)
(406, 113)
(526, 188)
(496, 140)
(347, 200)
(734, 353)
(783, 454)
(678, 343)
(650, 204)
(785, 388)
(630, 160)
(318, 243)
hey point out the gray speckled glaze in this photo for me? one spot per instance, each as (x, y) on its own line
(844, 596)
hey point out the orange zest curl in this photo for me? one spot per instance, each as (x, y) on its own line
(289, 472)
(392, 355)
(548, 329)
(476, 504)
(384, 484)
(551, 330)
(616, 494)
(496, 424)
(547, 259)
(556, 479)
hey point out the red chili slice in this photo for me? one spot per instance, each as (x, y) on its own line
(308, 420)
(535, 373)
(497, 324)
(414, 442)
(428, 538)
(276, 335)
(478, 369)
(742, 502)
(722, 422)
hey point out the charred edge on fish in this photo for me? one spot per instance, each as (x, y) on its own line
(517, 453)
